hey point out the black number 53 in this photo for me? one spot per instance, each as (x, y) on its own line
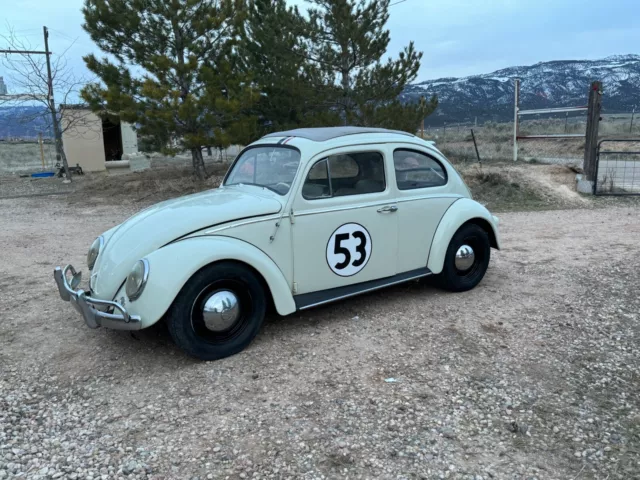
(360, 249)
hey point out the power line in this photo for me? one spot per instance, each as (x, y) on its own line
(63, 35)
(396, 3)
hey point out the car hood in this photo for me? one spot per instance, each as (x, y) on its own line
(164, 222)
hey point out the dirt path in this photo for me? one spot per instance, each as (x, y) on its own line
(534, 374)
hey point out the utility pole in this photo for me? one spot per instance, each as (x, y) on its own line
(52, 108)
(57, 133)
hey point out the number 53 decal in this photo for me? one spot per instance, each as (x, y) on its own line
(348, 249)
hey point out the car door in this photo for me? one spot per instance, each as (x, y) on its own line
(423, 197)
(345, 221)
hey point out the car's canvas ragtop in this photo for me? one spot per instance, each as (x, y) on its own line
(302, 218)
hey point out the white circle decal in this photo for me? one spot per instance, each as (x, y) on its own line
(349, 249)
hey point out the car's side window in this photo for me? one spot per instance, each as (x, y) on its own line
(317, 184)
(417, 170)
(345, 174)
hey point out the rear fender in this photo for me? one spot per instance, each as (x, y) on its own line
(172, 266)
(460, 212)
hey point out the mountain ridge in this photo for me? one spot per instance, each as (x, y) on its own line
(485, 97)
(551, 84)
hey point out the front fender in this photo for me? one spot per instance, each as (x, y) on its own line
(172, 266)
(459, 213)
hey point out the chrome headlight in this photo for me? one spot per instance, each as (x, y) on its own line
(137, 279)
(94, 251)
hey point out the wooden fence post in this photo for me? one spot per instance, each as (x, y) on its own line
(591, 138)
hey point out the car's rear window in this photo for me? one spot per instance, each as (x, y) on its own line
(417, 170)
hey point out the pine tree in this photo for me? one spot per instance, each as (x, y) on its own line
(347, 40)
(291, 85)
(176, 71)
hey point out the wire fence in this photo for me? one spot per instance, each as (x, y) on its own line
(618, 167)
(495, 139)
(21, 154)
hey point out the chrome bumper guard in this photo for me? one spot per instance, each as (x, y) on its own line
(85, 305)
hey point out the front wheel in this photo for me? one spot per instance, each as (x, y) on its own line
(466, 260)
(218, 312)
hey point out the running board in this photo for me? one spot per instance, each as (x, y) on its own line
(314, 299)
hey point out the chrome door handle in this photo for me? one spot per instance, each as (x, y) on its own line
(388, 208)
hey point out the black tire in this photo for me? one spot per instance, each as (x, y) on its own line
(455, 280)
(186, 323)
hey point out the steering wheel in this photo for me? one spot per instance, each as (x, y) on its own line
(284, 184)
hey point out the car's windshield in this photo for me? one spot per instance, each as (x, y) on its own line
(271, 167)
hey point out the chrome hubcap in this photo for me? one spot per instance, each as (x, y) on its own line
(465, 258)
(221, 311)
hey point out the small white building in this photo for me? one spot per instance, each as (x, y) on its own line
(92, 142)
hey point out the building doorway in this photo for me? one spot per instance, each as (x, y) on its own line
(112, 137)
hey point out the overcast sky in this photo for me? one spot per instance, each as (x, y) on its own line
(458, 37)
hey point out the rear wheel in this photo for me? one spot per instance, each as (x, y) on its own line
(466, 260)
(218, 312)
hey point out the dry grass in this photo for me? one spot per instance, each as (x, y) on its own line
(508, 187)
(495, 140)
(146, 187)
(501, 187)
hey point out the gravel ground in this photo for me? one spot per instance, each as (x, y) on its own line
(534, 374)
(14, 186)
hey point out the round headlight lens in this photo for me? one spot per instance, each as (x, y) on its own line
(137, 279)
(94, 250)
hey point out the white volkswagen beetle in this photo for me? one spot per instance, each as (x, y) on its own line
(302, 218)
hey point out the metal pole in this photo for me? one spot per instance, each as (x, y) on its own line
(41, 148)
(566, 119)
(515, 120)
(475, 145)
(632, 115)
(52, 107)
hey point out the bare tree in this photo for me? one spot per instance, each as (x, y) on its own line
(29, 81)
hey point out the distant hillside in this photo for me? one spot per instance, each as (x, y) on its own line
(543, 85)
(487, 97)
(22, 122)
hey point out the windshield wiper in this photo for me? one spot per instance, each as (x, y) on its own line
(258, 185)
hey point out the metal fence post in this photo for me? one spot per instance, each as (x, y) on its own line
(515, 120)
(473, 136)
(632, 115)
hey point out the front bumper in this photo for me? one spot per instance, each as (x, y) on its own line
(84, 304)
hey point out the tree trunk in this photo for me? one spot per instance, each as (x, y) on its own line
(344, 80)
(61, 155)
(198, 163)
(57, 136)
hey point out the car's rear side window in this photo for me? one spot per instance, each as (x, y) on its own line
(417, 170)
(345, 174)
